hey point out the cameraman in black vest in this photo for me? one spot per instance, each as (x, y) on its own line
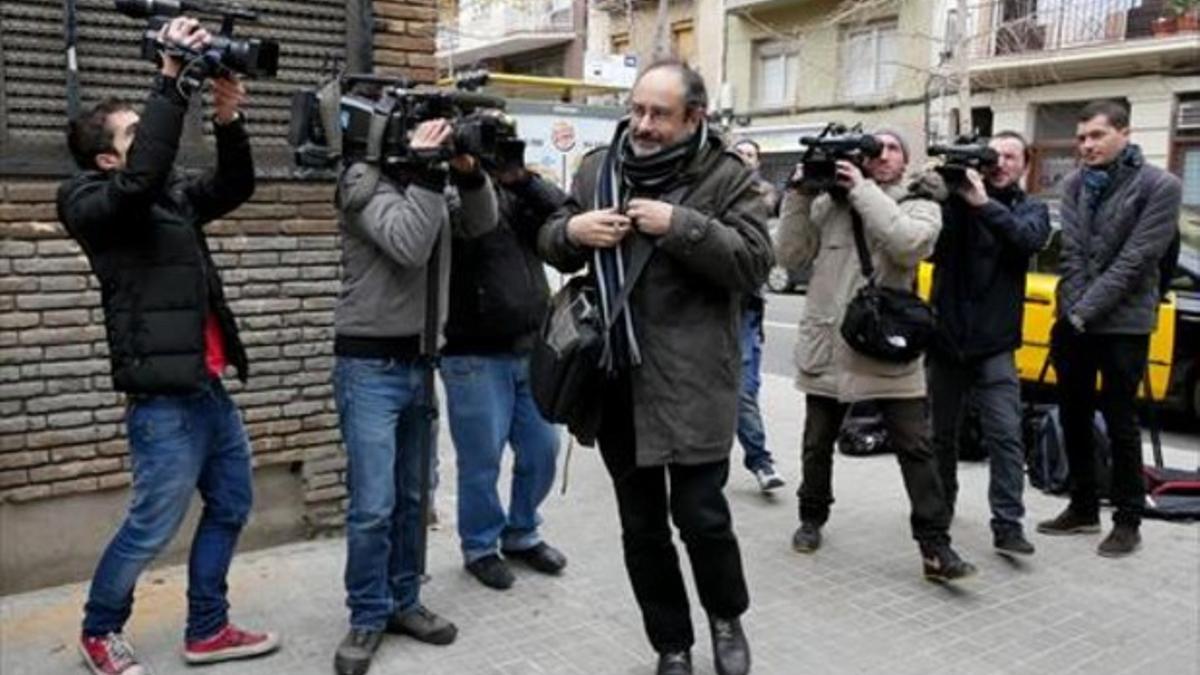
(170, 337)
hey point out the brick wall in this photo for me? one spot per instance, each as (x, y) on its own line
(61, 430)
(61, 424)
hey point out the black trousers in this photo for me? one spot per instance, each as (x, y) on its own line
(1121, 362)
(692, 497)
(907, 424)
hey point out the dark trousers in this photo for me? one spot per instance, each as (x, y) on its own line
(692, 496)
(993, 383)
(907, 425)
(1121, 362)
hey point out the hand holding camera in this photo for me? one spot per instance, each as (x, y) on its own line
(181, 33)
(431, 136)
(229, 94)
(972, 190)
(848, 175)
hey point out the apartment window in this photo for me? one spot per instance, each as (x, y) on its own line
(683, 41)
(619, 43)
(869, 55)
(1185, 147)
(776, 72)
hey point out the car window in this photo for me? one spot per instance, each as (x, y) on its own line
(1046, 260)
(1187, 270)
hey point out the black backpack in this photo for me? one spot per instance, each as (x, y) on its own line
(1046, 451)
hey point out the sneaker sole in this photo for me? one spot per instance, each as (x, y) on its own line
(1117, 554)
(1082, 529)
(87, 660)
(938, 579)
(771, 486)
(440, 638)
(263, 648)
(1013, 552)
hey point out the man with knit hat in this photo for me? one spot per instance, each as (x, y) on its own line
(669, 221)
(899, 222)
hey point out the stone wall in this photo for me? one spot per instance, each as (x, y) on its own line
(61, 430)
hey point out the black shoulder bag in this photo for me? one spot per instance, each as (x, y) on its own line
(564, 372)
(884, 323)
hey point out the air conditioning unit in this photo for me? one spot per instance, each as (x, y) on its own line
(1189, 115)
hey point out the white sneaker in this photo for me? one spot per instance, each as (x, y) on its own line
(767, 479)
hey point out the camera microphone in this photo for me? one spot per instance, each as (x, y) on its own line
(143, 9)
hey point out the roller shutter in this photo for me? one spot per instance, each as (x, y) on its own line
(33, 90)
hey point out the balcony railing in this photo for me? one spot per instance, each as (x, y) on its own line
(1009, 27)
(483, 22)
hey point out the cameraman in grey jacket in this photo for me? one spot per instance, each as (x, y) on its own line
(391, 220)
(1119, 217)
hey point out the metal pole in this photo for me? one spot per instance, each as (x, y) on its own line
(71, 18)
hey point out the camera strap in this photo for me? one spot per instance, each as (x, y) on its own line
(860, 244)
(379, 121)
(329, 100)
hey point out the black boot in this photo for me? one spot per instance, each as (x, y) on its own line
(941, 563)
(1123, 540)
(354, 654)
(674, 663)
(731, 652)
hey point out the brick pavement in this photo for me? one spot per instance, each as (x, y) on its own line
(858, 606)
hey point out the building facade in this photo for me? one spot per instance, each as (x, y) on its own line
(1032, 65)
(694, 29)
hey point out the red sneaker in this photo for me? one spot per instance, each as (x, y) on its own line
(230, 643)
(109, 655)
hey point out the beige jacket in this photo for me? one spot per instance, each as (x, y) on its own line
(901, 224)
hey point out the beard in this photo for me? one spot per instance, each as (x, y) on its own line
(644, 148)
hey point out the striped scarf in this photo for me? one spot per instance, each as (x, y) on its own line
(623, 175)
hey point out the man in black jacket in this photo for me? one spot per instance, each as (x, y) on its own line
(498, 296)
(990, 228)
(1120, 215)
(170, 337)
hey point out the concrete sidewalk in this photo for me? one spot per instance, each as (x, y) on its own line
(858, 606)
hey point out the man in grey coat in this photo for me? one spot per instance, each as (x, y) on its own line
(391, 222)
(668, 199)
(1119, 217)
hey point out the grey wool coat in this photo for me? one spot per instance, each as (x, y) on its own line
(901, 223)
(686, 306)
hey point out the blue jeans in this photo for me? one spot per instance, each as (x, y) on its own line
(490, 405)
(379, 412)
(178, 445)
(750, 431)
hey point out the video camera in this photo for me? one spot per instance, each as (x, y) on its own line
(968, 152)
(373, 122)
(251, 57)
(835, 142)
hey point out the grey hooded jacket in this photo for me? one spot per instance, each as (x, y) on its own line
(388, 234)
